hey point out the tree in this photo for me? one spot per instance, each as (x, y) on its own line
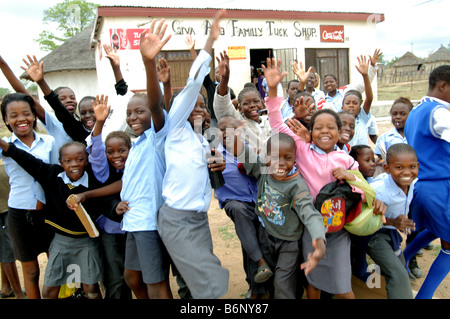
(71, 16)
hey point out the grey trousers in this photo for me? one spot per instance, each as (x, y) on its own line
(246, 224)
(187, 238)
(398, 285)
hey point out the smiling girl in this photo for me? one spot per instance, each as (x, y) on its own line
(319, 163)
(399, 114)
(26, 198)
(250, 106)
(71, 244)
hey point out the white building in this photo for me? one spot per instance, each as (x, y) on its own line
(329, 41)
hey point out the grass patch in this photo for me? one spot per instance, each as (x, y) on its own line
(414, 91)
(227, 233)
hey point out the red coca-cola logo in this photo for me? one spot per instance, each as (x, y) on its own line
(332, 33)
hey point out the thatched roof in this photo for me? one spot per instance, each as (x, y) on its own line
(408, 59)
(440, 55)
(74, 54)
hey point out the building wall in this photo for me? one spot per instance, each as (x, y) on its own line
(83, 83)
(244, 34)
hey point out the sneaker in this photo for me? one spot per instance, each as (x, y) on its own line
(414, 268)
(429, 246)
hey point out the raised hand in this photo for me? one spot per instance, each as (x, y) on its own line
(272, 73)
(299, 129)
(34, 69)
(101, 108)
(375, 57)
(163, 70)
(363, 66)
(299, 71)
(152, 41)
(224, 64)
(190, 43)
(111, 55)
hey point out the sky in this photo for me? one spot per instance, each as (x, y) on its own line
(420, 26)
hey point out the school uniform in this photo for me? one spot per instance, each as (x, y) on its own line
(431, 204)
(71, 244)
(112, 237)
(74, 128)
(388, 139)
(238, 197)
(315, 166)
(384, 247)
(286, 208)
(183, 220)
(26, 224)
(142, 187)
(361, 136)
(6, 248)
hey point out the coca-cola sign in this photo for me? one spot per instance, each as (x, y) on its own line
(332, 33)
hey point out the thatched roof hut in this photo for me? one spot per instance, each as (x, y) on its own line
(74, 54)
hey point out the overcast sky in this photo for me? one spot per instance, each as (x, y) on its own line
(420, 26)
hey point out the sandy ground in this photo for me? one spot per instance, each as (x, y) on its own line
(228, 250)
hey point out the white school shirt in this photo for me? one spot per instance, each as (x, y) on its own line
(396, 201)
(186, 184)
(25, 191)
(142, 180)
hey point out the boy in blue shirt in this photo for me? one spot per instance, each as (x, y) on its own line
(427, 129)
(395, 189)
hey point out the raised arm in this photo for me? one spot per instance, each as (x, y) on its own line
(97, 155)
(164, 76)
(184, 103)
(363, 68)
(113, 57)
(151, 44)
(37, 168)
(19, 87)
(303, 76)
(73, 128)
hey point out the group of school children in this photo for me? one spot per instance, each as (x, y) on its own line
(143, 171)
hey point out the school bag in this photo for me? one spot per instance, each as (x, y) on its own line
(335, 202)
(365, 223)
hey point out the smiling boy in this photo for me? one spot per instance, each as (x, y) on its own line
(395, 189)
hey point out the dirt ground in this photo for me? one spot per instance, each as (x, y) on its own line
(227, 248)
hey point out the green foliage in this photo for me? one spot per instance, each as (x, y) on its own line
(71, 17)
(3, 92)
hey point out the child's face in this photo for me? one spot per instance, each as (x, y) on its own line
(307, 118)
(399, 115)
(329, 84)
(348, 128)
(67, 98)
(227, 127)
(325, 132)
(117, 152)
(87, 115)
(403, 168)
(292, 89)
(311, 82)
(282, 160)
(366, 161)
(20, 118)
(250, 105)
(351, 104)
(74, 161)
(198, 114)
(138, 115)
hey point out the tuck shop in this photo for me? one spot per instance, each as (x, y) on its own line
(328, 41)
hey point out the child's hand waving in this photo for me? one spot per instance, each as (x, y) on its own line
(363, 66)
(101, 108)
(34, 69)
(273, 75)
(152, 41)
